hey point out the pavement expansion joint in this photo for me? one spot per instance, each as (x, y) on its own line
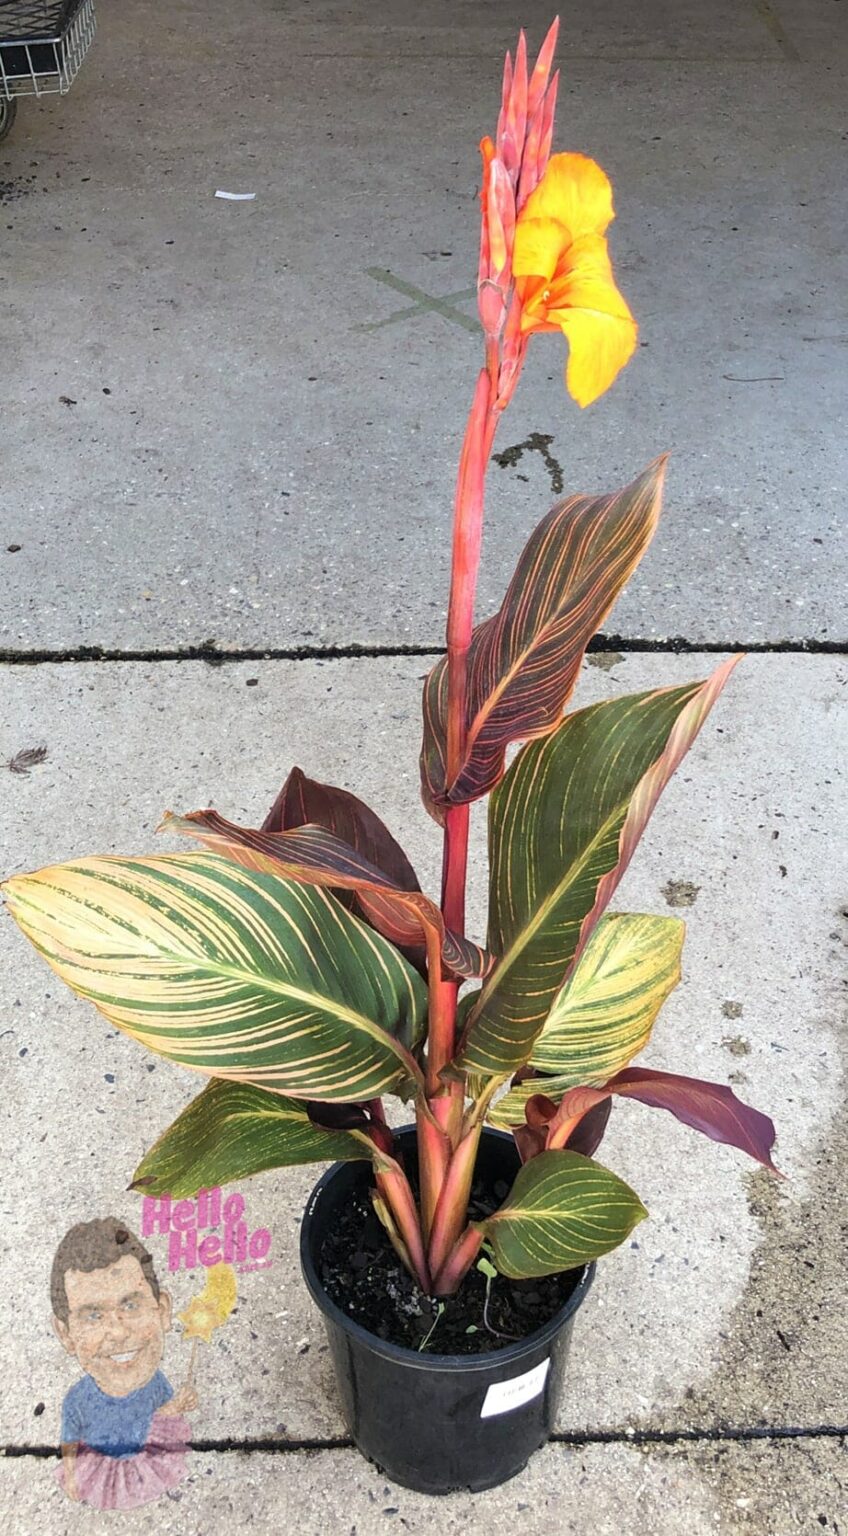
(272, 1445)
(215, 656)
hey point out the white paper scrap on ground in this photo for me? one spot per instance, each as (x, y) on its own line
(504, 1395)
(237, 197)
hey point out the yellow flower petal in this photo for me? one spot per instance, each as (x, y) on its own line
(575, 193)
(583, 302)
(585, 281)
(599, 345)
(539, 244)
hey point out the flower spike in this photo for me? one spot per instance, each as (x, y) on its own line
(512, 123)
(537, 150)
(548, 126)
(512, 168)
(542, 71)
(507, 88)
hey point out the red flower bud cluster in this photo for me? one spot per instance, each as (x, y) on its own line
(512, 167)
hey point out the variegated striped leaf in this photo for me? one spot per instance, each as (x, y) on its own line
(562, 1211)
(563, 826)
(604, 1015)
(233, 1130)
(319, 857)
(233, 973)
(524, 662)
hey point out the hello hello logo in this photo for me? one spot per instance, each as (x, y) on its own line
(209, 1230)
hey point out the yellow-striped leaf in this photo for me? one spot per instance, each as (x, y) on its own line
(562, 1211)
(233, 1130)
(318, 856)
(233, 973)
(604, 1015)
(563, 826)
(524, 662)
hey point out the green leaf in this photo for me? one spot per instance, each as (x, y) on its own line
(316, 856)
(604, 1015)
(524, 662)
(234, 973)
(563, 826)
(233, 1130)
(563, 1211)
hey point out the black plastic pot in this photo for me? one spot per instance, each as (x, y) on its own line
(439, 1423)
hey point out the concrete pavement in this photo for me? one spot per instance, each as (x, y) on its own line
(265, 411)
(264, 432)
(725, 1308)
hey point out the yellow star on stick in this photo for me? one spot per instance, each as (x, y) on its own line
(209, 1309)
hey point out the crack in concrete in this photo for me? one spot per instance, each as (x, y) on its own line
(215, 656)
(271, 1445)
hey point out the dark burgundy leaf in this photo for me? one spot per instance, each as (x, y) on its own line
(351, 1117)
(529, 1140)
(707, 1107)
(589, 1132)
(336, 1117)
(539, 1111)
(523, 663)
(303, 800)
(317, 855)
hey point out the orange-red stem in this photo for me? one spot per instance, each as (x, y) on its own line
(393, 1185)
(458, 1262)
(434, 1150)
(452, 1209)
(446, 1163)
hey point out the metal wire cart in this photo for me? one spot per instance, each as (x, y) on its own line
(42, 45)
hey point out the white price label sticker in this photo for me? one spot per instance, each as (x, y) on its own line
(505, 1395)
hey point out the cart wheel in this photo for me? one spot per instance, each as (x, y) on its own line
(8, 109)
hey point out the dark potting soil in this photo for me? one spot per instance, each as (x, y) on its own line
(363, 1275)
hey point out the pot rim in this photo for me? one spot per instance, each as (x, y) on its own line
(412, 1358)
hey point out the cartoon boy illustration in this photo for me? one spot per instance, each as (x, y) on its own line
(124, 1437)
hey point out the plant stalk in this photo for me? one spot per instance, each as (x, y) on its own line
(452, 1209)
(446, 1158)
(458, 1262)
(434, 1150)
(395, 1192)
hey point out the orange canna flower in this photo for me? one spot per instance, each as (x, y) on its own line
(563, 275)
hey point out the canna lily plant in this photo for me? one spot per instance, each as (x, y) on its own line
(299, 966)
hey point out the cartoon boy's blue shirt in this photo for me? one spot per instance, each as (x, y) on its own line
(114, 1426)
